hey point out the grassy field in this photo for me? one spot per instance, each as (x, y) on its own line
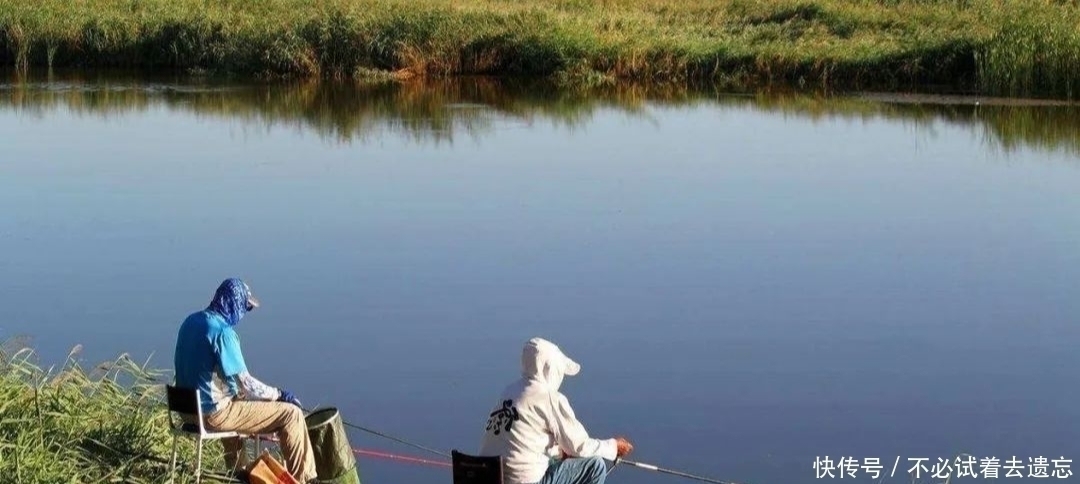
(1007, 47)
(72, 425)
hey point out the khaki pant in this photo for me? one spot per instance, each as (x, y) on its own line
(284, 419)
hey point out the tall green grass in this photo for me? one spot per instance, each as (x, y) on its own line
(73, 425)
(1018, 47)
(1036, 49)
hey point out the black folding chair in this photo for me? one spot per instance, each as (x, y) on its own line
(472, 469)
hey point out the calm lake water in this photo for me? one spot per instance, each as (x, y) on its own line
(749, 282)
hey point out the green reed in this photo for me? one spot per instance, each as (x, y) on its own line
(1016, 47)
(71, 425)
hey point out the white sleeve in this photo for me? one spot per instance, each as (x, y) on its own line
(253, 389)
(571, 436)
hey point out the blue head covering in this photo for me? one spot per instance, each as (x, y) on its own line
(232, 300)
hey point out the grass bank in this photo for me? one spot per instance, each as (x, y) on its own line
(1005, 47)
(75, 425)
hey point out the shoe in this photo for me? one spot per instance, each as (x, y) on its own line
(242, 476)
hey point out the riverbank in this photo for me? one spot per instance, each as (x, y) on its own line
(69, 424)
(1001, 47)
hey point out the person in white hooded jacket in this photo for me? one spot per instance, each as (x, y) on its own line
(536, 432)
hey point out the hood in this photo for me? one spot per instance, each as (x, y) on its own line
(233, 300)
(544, 362)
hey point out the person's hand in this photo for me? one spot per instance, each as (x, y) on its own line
(624, 447)
(288, 397)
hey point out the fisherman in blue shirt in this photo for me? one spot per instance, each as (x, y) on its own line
(208, 359)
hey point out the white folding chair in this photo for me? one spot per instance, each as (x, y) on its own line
(187, 401)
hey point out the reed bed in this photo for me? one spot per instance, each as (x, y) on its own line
(72, 425)
(1014, 47)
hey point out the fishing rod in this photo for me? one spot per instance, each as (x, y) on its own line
(390, 437)
(376, 453)
(650, 467)
(395, 439)
(618, 461)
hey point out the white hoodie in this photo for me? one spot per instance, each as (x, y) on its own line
(533, 422)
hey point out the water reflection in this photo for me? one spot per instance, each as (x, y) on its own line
(438, 111)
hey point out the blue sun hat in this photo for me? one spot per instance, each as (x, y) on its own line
(232, 300)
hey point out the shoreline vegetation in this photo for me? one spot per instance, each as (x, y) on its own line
(444, 110)
(98, 425)
(994, 47)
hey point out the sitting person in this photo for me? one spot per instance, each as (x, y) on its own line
(208, 359)
(535, 431)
